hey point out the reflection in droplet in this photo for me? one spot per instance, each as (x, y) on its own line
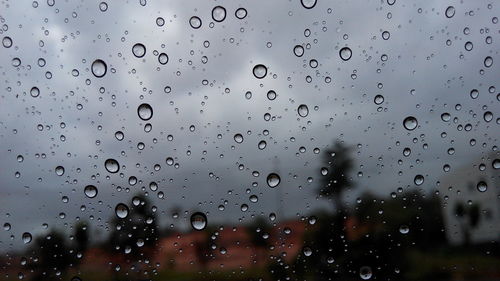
(482, 186)
(121, 210)
(307, 251)
(262, 144)
(303, 110)
(99, 68)
(404, 229)
(273, 180)
(198, 221)
(90, 191)
(195, 22)
(112, 166)
(139, 50)
(365, 272)
(410, 123)
(59, 170)
(260, 71)
(345, 53)
(308, 4)
(450, 12)
(26, 237)
(218, 13)
(240, 13)
(418, 180)
(145, 111)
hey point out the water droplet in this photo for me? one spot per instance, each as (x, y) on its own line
(145, 111)
(262, 144)
(445, 117)
(324, 171)
(482, 186)
(121, 210)
(35, 92)
(410, 123)
(112, 166)
(90, 191)
(244, 207)
(418, 180)
(273, 180)
(307, 251)
(474, 93)
(260, 71)
(271, 95)
(238, 138)
(26, 237)
(119, 135)
(195, 22)
(163, 58)
(139, 50)
(218, 13)
(59, 170)
(99, 68)
(240, 13)
(450, 12)
(496, 164)
(198, 221)
(379, 99)
(7, 42)
(308, 4)
(468, 46)
(253, 198)
(103, 6)
(298, 50)
(303, 110)
(488, 61)
(365, 272)
(488, 116)
(345, 53)
(160, 21)
(404, 229)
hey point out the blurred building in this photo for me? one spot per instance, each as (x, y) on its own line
(475, 185)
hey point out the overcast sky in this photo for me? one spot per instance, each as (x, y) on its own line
(416, 70)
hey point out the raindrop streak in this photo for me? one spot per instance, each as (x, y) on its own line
(27, 237)
(145, 111)
(121, 210)
(195, 22)
(198, 221)
(219, 13)
(410, 123)
(482, 186)
(99, 68)
(260, 71)
(112, 166)
(345, 53)
(308, 4)
(139, 50)
(59, 170)
(303, 110)
(450, 12)
(90, 191)
(273, 180)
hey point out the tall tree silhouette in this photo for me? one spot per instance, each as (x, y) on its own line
(468, 217)
(51, 255)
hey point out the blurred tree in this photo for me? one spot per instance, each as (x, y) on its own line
(81, 237)
(469, 219)
(52, 256)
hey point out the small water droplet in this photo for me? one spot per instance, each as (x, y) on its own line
(112, 165)
(308, 4)
(238, 138)
(139, 50)
(418, 180)
(450, 12)
(303, 110)
(7, 42)
(379, 99)
(482, 186)
(404, 229)
(119, 135)
(59, 170)
(260, 71)
(121, 210)
(345, 53)
(99, 68)
(410, 123)
(365, 272)
(26, 237)
(298, 50)
(219, 13)
(35, 92)
(488, 61)
(240, 13)
(145, 111)
(273, 180)
(163, 58)
(90, 191)
(195, 22)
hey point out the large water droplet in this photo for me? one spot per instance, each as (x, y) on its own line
(496, 164)
(163, 58)
(7, 42)
(238, 138)
(308, 4)
(450, 12)
(298, 50)
(482, 186)
(379, 99)
(59, 170)
(112, 166)
(273, 180)
(195, 22)
(139, 50)
(262, 144)
(35, 92)
(404, 229)
(345, 53)
(418, 180)
(121, 210)
(488, 61)
(307, 251)
(90, 191)
(119, 135)
(410, 123)
(260, 71)
(27, 237)
(145, 111)
(240, 13)
(218, 13)
(365, 272)
(303, 110)
(99, 68)
(271, 95)
(198, 221)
